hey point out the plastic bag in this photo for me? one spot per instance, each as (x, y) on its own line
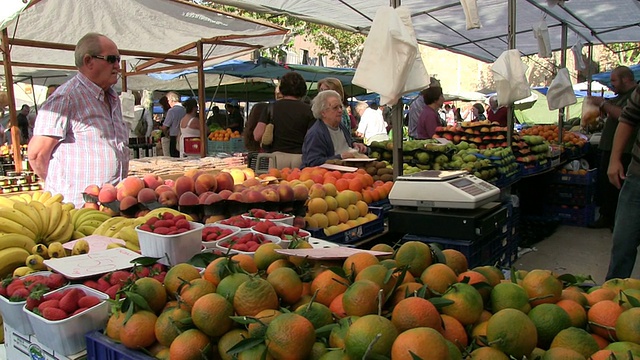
(579, 58)
(470, 9)
(509, 75)
(560, 93)
(541, 33)
(590, 113)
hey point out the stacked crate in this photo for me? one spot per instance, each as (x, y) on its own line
(571, 197)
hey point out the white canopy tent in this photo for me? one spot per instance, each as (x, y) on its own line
(152, 36)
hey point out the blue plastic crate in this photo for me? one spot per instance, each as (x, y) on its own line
(574, 215)
(576, 179)
(356, 233)
(569, 194)
(385, 204)
(101, 347)
(235, 145)
(477, 253)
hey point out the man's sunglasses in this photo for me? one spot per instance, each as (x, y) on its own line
(111, 59)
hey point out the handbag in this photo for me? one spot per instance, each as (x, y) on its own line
(267, 136)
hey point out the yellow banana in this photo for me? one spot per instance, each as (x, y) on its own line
(36, 262)
(100, 230)
(112, 230)
(77, 213)
(55, 198)
(66, 235)
(6, 202)
(36, 195)
(33, 215)
(80, 247)
(86, 230)
(132, 246)
(128, 234)
(56, 250)
(64, 223)
(41, 249)
(26, 197)
(22, 271)
(162, 210)
(77, 235)
(91, 223)
(114, 245)
(11, 259)
(46, 195)
(55, 213)
(43, 214)
(93, 215)
(68, 206)
(17, 198)
(10, 226)
(18, 217)
(16, 240)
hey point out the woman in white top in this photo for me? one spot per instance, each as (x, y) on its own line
(190, 124)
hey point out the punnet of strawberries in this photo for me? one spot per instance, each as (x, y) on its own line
(247, 242)
(59, 305)
(239, 221)
(284, 232)
(18, 289)
(166, 224)
(264, 214)
(214, 233)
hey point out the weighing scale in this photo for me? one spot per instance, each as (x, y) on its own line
(449, 204)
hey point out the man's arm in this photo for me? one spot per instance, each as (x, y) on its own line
(39, 153)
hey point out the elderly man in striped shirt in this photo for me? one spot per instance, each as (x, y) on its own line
(79, 135)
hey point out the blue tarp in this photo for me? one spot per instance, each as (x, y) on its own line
(605, 77)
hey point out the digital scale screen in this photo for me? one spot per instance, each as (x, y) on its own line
(460, 183)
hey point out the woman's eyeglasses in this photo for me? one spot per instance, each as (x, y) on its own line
(111, 59)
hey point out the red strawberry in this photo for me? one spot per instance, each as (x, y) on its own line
(146, 227)
(69, 302)
(49, 303)
(179, 217)
(119, 277)
(161, 230)
(55, 281)
(167, 216)
(142, 271)
(19, 294)
(55, 296)
(112, 291)
(88, 301)
(54, 314)
(33, 303)
(13, 286)
(158, 268)
(160, 276)
(290, 230)
(163, 223)
(152, 221)
(183, 224)
(103, 284)
(78, 311)
(91, 283)
(275, 231)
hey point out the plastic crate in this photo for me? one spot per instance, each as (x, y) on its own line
(536, 228)
(385, 204)
(101, 347)
(532, 169)
(575, 215)
(477, 253)
(564, 194)
(356, 233)
(589, 178)
(234, 145)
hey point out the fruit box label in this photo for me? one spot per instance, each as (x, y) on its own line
(19, 346)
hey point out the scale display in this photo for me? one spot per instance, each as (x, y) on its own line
(442, 189)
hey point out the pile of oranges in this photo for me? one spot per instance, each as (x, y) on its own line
(223, 135)
(550, 133)
(406, 304)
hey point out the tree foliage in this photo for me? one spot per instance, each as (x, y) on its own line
(341, 46)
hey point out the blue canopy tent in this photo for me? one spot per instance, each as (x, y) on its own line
(605, 77)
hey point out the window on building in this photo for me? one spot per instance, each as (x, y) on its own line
(305, 57)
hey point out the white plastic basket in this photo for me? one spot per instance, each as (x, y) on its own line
(223, 249)
(285, 243)
(171, 249)
(288, 220)
(67, 336)
(212, 244)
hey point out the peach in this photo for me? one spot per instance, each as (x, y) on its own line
(224, 194)
(152, 181)
(270, 194)
(188, 199)
(162, 188)
(128, 202)
(142, 212)
(130, 186)
(193, 173)
(285, 192)
(108, 210)
(147, 195)
(251, 182)
(169, 183)
(107, 194)
(168, 198)
(202, 197)
(249, 173)
(317, 191)
(91, 206)
(239, 188)
(236, 196)
(212, 199)
(225, 181)
(205, 182)
(253, 196)
(184, 184)
(92, 190)
(300, 192)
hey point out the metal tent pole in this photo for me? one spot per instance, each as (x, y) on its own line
(8, 72)
(396, 126)
(563, 64)
(511, 9)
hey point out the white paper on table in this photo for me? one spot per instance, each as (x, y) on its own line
(391, 64)
(560, 92)
(509, 73)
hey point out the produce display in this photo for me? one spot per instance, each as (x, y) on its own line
(223, 135)
(246, 242)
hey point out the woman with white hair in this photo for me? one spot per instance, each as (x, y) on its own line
(328, 138)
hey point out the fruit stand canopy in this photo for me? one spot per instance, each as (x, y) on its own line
(441, 23)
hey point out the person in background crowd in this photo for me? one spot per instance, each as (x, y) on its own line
(626, 229)
(51, 89)
(415, 110)
(466, 113)
(372, 126)
(450, 115)
(352, 119)
(171, 123)
(623, 84)
(164, 103)
(234, 117)
(80, 138)
(497, 113)
(328, 138)
(334, 84)
(216, 117)
(139, 112)
(429, 119)
(189, 124)
(23, 123)
(254, 116)
(291, 119)
(478, 112)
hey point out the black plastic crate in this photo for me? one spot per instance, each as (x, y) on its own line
(536, 228)
(575, 215)
(563, 194)
(588, 178)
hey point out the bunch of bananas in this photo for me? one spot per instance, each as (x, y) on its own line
(85, 221)
(40, 252)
